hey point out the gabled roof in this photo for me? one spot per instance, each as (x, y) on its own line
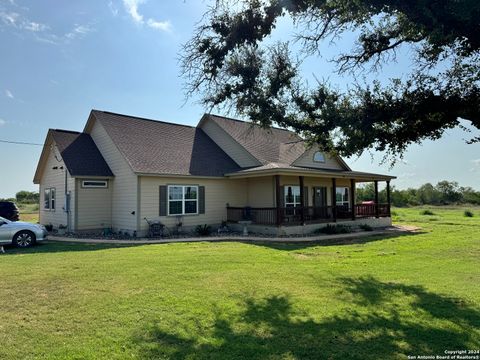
(271, 145)
(157, 147)
(79, 153)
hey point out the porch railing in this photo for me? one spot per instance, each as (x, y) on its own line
(311, 214)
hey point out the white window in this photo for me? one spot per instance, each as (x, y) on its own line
(94, 184)
(342, 196)
(292, 198)
(49, 198)
(319, 157)
(182, 199)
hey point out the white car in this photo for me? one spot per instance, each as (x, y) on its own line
(21, 234)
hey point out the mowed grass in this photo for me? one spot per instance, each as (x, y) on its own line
(384, 298)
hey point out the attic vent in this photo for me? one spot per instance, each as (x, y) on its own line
(94, 184)
(319, 157)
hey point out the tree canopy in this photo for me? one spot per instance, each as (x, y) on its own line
(231, 63)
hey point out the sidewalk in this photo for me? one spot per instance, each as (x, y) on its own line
(393, 230)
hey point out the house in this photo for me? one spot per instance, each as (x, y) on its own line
(123, 169)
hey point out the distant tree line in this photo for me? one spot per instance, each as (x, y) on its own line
(444, 193)
(25, 197)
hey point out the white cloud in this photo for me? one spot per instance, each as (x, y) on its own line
(20, 22)
(131, 6)
(476, 165)
(9, 94)
(159, 25)
(9, 18)
(78, 31)
(2, 122)
(33, 26)
(113, 8)
(17, 21)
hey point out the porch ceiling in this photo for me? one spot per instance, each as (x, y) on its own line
(288, 170)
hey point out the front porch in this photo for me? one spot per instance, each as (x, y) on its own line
(311, 200)
(306, 215)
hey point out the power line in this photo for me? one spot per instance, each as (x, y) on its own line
(19, 143)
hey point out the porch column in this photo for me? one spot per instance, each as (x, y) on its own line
(334, 199)
(302, 200)
(376, 199)
(352, 194)
(277, 199)
(388, 198)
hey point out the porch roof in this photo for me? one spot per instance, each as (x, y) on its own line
(285, 169)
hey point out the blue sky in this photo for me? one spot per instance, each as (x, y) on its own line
(60, 59)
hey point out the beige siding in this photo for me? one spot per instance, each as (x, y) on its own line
(53, 178)
(232, 148)
(261, 192)
(218, 192)
(306, 160)
(123, 187)
(94, 207)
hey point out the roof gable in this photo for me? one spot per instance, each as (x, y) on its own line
(80, 154)
(274, 146)
(157, 147)
(271, 145)
(333, 162)
(78, 151)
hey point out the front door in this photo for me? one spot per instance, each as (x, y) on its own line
(320, 202)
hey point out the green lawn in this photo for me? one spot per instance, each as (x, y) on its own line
(382, 299)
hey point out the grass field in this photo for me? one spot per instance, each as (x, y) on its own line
(384, 298)
(28, 212)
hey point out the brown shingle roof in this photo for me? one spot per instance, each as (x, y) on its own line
(157, 147)
(279, 167)
(269, 146)
(272, 145)
(80, 154)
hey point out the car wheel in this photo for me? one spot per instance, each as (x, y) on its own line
(24, 239)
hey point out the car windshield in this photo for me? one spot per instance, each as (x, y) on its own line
(4, 220)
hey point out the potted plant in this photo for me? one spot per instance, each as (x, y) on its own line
(62, 229)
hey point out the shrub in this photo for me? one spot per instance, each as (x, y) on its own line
(468, 213)
(366, 227)
(426, 212)
(203, 230)
(334, 229)
(49, 227)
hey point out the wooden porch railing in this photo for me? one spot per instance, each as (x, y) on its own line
(311, 214)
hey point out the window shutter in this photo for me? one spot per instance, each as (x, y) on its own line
(163, 201)
(201, 199)
(305, 196)
(282, 196)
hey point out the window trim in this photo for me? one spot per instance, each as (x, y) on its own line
(104, 186)
(52, 201)
(183, 200)
(323, 157)
(343, 202)
(294, 203)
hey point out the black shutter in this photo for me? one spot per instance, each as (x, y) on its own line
(163, 201)
(201, 199)
(305, 196)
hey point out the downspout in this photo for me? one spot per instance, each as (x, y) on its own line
(67, 202)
